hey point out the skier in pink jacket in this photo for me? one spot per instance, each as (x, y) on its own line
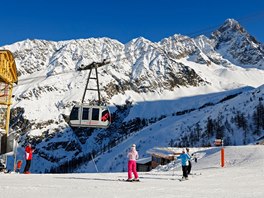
(132, 165)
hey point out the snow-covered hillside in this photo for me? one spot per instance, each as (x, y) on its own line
(188, 130)
(164, 93)
(241, 177)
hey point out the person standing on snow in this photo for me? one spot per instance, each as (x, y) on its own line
(132, 165)
(184, 161)
(28, 155)
(189, 162)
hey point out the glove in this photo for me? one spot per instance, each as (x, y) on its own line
(27, 156)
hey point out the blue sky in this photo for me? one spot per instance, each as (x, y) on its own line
(124, 20)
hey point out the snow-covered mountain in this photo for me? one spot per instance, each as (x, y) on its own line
(238, 45)
(159, 93)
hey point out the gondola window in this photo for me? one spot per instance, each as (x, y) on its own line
(95, 114)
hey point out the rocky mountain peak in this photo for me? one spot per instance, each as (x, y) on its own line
(231, 25)
(237, 45)
(226, 31)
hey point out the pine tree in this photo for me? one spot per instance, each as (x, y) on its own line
(198, 130)
(219, 128)
(241, 120)
(258, 117)
(209, 128)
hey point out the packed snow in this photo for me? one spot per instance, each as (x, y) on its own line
(242, 176)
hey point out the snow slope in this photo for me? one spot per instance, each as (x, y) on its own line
(174, 128)
(241, 177)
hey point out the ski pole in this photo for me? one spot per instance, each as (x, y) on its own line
(94, 163)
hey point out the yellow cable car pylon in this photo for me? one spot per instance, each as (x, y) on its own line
(8, 76)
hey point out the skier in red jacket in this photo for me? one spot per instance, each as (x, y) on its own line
(28, 155)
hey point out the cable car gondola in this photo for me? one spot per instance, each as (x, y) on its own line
(87, 115)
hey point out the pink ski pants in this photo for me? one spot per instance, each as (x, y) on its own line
(132, 167)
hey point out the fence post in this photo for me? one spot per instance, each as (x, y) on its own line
(220, 142)
(222, 157)
(222, 154)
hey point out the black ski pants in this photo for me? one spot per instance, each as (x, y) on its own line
(185, 171)
(189, 167)
(28, 162)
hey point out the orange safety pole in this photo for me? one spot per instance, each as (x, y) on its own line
(222, 157)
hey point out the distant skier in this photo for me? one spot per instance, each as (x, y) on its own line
(132, 165)
(28, 155)
(184, 160)
(189, 161)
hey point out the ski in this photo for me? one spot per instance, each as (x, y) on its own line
(131, 181)
(195, 174)
(183, 179)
